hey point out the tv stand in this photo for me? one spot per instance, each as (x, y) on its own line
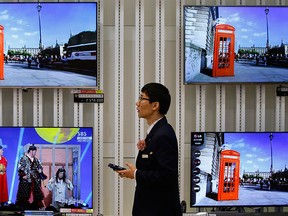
(234, 209)
(241, 211)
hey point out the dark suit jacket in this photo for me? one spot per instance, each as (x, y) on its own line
(157, 191)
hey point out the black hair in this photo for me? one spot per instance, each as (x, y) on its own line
(61, 169)
(32, 148)
(158, 92)
(1, 147)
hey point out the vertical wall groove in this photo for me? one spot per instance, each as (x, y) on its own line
(17, 107)
(240, 108)
(160, 41)
(139, 65)
(280, 114)
(180, 99)
(220, 108)
(119, 98)
(98, 164)
(58, 108)
(37, 107)
(200, 107)
(260, 108)
(78, 114)
(200, 2)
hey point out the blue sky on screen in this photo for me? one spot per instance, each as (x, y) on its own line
(255, 151)
(58, 20)
(250, 24)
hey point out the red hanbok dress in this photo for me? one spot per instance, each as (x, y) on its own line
(3, 180)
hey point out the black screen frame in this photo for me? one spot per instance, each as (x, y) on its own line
(55, 73)
(15, 141)
(203, 53)
(206, 148)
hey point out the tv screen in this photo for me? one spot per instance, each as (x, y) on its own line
(236, 44)
(69, 148)
(230, 169)
(49, 44)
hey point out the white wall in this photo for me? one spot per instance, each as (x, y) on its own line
(141, 41)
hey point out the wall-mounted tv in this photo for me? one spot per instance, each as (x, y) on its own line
(239, 169)
(235, 44)
(70, 148)
(52, 45)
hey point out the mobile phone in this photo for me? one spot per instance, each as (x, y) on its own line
(116, 167)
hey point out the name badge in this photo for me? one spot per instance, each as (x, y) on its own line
(145, 156)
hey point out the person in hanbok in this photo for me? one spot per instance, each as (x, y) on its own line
(3, 179)
(30, 172)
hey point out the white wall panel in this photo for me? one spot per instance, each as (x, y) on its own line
(17, 107)
(119, 98)
(240, 108)
(220, 107)
(160, 41)
(280, 114)
(141, 41)
(280, 2)
(78, 114)
(98, 120)
(58, 107)
(260, 108)
(200, 107)
(139, 66)
(180, 99)
(37, 107)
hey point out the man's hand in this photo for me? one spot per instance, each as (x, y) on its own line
(128, 173)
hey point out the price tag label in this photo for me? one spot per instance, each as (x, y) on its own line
(89, 98)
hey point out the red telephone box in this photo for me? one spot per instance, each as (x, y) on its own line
(223, 57)
(228, 186)
(1, 52)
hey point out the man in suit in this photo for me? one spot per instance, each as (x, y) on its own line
(156, 170)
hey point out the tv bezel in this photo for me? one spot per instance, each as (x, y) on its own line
(225, 81)
(45, 144)
(220, 203)
(81, 71)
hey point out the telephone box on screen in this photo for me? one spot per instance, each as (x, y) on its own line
(1, 52)
(228, 188)
(223, 57)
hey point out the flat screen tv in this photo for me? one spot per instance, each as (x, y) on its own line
(239, 169)
(52, 45)
(70, 148)
(235, 44)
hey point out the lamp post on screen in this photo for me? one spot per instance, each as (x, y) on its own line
(267, 29)
(39, 7)
(271, 165)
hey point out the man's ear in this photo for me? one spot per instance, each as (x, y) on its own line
(155, 105)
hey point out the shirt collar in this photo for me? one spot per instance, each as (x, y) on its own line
(152, 125)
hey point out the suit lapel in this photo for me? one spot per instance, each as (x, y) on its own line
(149, 137)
